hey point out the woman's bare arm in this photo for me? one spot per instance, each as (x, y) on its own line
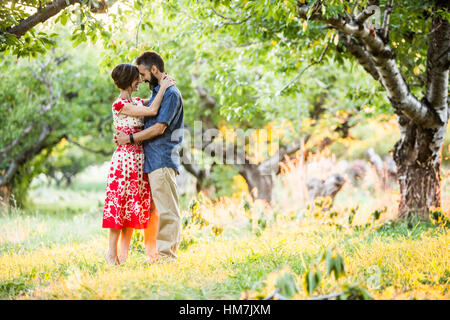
(130, 109)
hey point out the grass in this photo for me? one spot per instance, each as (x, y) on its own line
(55, 250)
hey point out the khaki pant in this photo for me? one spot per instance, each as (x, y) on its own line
(164, 192)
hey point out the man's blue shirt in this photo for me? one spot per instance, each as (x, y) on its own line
(163, 151)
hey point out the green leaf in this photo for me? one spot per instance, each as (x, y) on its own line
(338, 267)
(64, 18)
(329, 262)
(312, 280)
(352, 292)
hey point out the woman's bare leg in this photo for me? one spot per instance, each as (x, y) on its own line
(150, 236)
(111, 256)
(124, 243)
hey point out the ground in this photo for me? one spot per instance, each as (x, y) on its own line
(55, 249)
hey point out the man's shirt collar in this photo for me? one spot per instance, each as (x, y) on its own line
(156, 89)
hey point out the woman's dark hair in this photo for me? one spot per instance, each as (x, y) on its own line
(149, 59)
(124, 74)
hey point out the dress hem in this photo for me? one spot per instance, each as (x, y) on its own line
(125, 226)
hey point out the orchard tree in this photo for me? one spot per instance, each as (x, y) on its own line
(61, 96)
(402, 44)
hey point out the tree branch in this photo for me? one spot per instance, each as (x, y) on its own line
(137, 29)
(387, 15)
(20, 159)
(194, 170)
(102, 152)
(46, 13)
(438, 62)
(208, 100)
(361, 54)
(361, 18)
(287, 85)
(276, 294)
(231, 21)
(384, 60)
(209, 103)
(272, 165)
(46, 130)
(326, 297)
(16, 141)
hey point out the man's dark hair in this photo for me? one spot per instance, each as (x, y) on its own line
(149, 59)
(124, 74)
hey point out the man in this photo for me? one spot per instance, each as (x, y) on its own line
(161, 137)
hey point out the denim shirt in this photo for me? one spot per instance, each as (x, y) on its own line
(163, 150)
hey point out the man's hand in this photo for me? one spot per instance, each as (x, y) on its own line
(167, 81)
(115, 137)
(121, 138)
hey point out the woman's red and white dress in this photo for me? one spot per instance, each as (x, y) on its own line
(128, 201)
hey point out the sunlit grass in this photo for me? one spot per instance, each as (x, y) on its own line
(56, 249)
(221, 268)
(224, 268)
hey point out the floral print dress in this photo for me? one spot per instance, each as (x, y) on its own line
(128, 197)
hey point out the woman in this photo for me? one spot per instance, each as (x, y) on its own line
(128, 203)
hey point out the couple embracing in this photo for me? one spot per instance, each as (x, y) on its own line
(141, 190)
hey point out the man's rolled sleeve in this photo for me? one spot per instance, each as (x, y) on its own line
(169, 110)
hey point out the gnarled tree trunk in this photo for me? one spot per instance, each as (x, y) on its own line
(259, 185)
(418, 158)
(418, 153)
(422, 122)
(259, 177)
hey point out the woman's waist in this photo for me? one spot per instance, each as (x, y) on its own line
(129, 129)
(131, 148)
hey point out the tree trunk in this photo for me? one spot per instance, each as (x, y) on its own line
(259, 185)
(5, 195)
(200, 174)
(418, 153)
(422, 122)
(418, 158)
(325, 188)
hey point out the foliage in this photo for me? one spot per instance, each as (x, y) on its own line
(67, 160)
(439, 218)
(37, 41)
(283, 285)
(244, 73)
(284, 282)
(137, 241)
(277, 21)
(64, 94)
(250, 43)
(195, 215)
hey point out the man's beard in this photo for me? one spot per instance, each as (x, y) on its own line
(153, 81)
